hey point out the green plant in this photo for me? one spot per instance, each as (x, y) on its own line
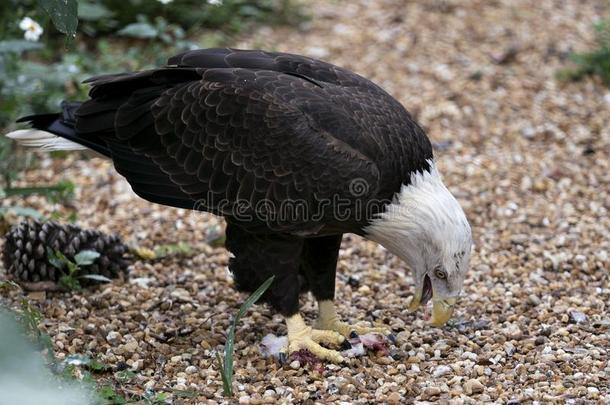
(63, 13)
(158, 398)
(594, 63)
(70, 279)
(178, 249)
(60, 191)
(108, 395)
(226, 362)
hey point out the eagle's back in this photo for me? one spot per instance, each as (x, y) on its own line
(219, 128)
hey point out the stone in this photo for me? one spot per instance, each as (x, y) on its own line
(394, 398)
(473, 386)
(430, 392)
(113, 337)
(577, 317)
(441, 371)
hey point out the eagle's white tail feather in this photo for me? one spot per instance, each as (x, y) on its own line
(42, 140)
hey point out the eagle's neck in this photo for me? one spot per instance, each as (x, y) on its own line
(422, 213)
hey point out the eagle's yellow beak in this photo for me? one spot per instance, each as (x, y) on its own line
(415, 301)
(442, 309)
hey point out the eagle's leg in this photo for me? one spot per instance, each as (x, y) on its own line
(257, 256)
(319, 264)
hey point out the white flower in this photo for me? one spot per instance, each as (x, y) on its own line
(165, 1)
(215, 2)
(32, 29)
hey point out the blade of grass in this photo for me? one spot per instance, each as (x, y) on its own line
(61, 188)
(226, 383)
(227, 366)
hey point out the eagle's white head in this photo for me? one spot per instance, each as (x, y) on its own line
(426, 227)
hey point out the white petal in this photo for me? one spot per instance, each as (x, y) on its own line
(25, 23)
(30, 36)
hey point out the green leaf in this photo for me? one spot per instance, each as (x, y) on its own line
(160, 398)
(90, 11)
(70, 283)
(595, 62)
(227, 367)
(56, 258)
(61, 189)
(96, 277)
(72, 268)
(97, 366)
(124, 375)
(18, 46)
(86, 257)
(139, 30)
(253, 298)
(226, 383)
(9, 284)
(22, 211)
(64, 14)
(182, 249)
(110, 396)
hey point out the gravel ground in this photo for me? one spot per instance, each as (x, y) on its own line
(527, 157)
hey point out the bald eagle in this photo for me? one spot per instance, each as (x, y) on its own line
(293, 152)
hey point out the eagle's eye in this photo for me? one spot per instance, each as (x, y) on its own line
(440, 273)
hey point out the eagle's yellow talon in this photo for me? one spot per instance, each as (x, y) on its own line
(328, 320)
(315, 349)
(345, 329)
(301, 336)
(329, 337)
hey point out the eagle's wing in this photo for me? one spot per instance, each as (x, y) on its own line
(224, 139)
(363, 115)
(311, 69)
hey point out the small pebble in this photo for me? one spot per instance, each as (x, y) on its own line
(394, 398)
(441, 371)
(577, 317)
(430, 392)
(269, 393)
(113, 337)
(473, 386)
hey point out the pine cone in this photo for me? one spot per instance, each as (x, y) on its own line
(25, 255)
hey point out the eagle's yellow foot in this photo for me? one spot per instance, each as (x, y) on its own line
(301, 336)
(329, 320)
